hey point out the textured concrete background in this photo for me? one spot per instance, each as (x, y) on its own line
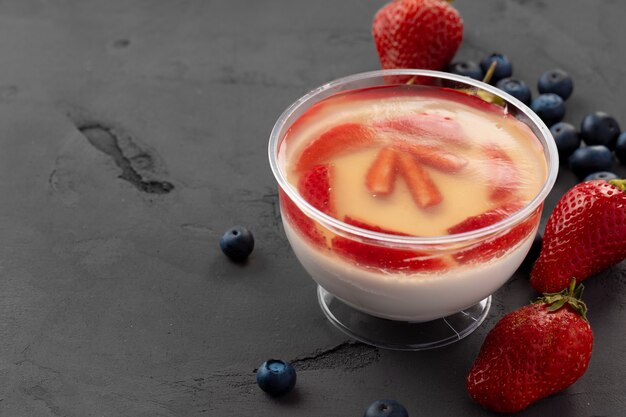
(133, 133)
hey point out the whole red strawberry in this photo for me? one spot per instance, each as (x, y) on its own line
(532, 353)
(585, 234)
(417, 34)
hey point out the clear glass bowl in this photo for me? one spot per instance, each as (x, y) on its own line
(393, 307)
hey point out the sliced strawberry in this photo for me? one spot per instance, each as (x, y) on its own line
(315, 185)
(423, 190)
(427, 126)
(380, 257)
(302, 121)
(486, 219)
(300, 221)
(363, 225)
(381, 176)
(504, 177)
(338, 139)
(498, 246)
(432, 156)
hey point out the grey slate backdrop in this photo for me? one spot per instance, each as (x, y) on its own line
(115, 299)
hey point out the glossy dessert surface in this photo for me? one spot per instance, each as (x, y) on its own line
(415, 164)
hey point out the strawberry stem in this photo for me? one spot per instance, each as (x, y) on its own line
(571, 296)
(621, 184)
(490, 72)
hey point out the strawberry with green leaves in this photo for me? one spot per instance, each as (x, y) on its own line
(585, 234)
(417, 34)
(533, 352)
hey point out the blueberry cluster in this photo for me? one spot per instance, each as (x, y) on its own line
(599, 131)
(602, 136)
(554, 86)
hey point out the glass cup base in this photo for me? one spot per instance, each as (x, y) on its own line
(402, 335)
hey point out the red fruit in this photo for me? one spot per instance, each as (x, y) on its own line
(302, 121)
(585, 234)
(367, 226)
(486, 219)
(532, 353)
(504, 177)
(417, 34)
(432, 156)
(381, 176)
(336, 140)
(423, 190)
(497, 246)
(300, 221)
(380, 257)
(424, 126)
(315, 187)
(373, 256)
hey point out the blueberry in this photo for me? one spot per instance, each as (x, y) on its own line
(504, 68)
(602, 175)
(549, 107)
(386, 408)
(620, 148)
(516, 88)
(590, 159)
(556, 81)
(467, 68)
(237, 243)
(599, 128)
(566, 139)
(276, 377)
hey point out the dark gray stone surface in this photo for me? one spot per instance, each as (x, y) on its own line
(133, 133)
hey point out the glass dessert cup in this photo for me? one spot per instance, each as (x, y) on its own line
(392, 307)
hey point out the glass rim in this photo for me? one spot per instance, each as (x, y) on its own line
(552, 160)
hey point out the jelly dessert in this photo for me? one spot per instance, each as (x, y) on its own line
(398, 193)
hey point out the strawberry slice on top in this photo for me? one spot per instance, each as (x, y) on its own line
(315, 187)
(504, 177)
(432, 156)
(426, 126)
(336, 140)
(421, 186)
(381, 176)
